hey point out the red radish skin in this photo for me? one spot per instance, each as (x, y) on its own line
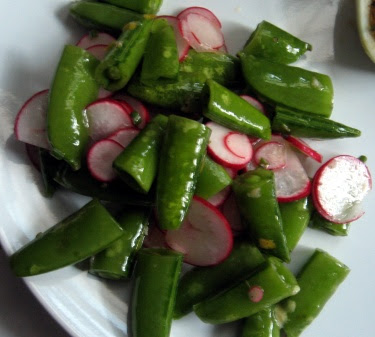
(271, 155)
(254, 102)
(124, 136)
(218, 199)
(201, 33)
(182, 45)
(135, 104)
(304, 148)
(205, 237)
(105, 117)
(239, 144)
(339, 187)
(88, 40)
(100, 158)
(256, 294)
(231, 212)
(219, 151)
(201, 11)
(31, 121)
(99, 51)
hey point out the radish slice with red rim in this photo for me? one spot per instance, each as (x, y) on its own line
(201, 33)
(256, 294)
(304, 148)
(99, 51)
(205, 237)
(220, 152)
(105, 117)
(100, 158)
(236, 143)
(182, 45)
(136, 105)
(155, 238)
(219, 198)
(254, 102)
(201, 11)
(103, 93)
(339, 187)
(89, 40)
(270, 155)
(31, 121)
(124, 136)
(231, 212)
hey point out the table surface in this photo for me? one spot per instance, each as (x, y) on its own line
(21, 315)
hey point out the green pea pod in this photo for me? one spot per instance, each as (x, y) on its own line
(226, 108)
(300, 124)
(318, 280)
(101, 16)
(120, 63)
(212, 179)
(296, 216)
(161, 55)
(116, 261)
(141, 6)
(201, 283)
(185, 93)
(83, 183)
(272, 282)
(254, 191)
(274, 44)
(288, 86)
(335, 229)
(262, 324)
(137, 164)
(77, 237)
(73, 87)
(156, 277)
(49, 167)
(183, 149)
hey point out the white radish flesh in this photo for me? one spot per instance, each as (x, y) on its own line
(239, 144)
(219, 151)
(271, 155)
(339, 188)
(105, 117)
(254, 102)
(231, 212)
(100, 158)
(201, 11)
(31, 121)
(99, 51)
(182, 45)
(219, 198)
(124, 136)
(136, 105)
(205, 237)
(89, 40)
(304, 148)
(103, 93)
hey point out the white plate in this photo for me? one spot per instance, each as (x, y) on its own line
(33, 35)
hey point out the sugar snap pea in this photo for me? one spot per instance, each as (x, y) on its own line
(273, 279)
(183, 149)
(116, 261)
(141, 6)
(155, 284)
(77, 237)
(261, 324)
(120, 63)
(73, 87)
(254, 191)
(201, 283)
(336, 229)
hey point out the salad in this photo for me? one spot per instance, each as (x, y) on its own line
(264, 173)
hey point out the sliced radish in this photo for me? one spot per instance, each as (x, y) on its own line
(256, 294)
(105, 117)
(136, 105)
(155, 238)
(33, 154)
(232, 172)
(292, 181)
(250, 166)
(182, 45)
(271, 155)
(254, 102)
(31, 121)
(223, 49)
(205, 237)
(89, 40)
(304, 148)
(239, 144)
(124, 136)
(201, 33)
(220, 152)
(339, 187)
(231, 212)
(201, 11)
(99, 51)
(103, 93)
(219, 198)
(100, 158)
